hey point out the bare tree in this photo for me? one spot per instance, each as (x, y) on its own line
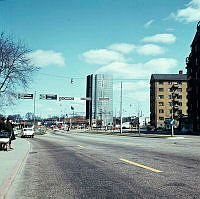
(16, 69)
(29, 116)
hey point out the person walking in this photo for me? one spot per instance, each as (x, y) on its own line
(2, 124)
(9, 127)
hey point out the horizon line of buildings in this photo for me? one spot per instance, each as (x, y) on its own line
(174, 98)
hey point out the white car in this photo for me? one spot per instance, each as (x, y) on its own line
(27, 132)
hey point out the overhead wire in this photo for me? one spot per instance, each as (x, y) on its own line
(114, 79)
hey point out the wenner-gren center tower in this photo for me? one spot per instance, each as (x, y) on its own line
(100, 89)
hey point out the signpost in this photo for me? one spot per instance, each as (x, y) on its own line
(48, 96)
(29, 96)
(25, 96)
(51, 97)
(66, 98)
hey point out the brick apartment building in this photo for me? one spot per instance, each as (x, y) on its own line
(161, 97)
(193, 75)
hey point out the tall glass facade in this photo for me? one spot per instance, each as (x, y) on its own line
(100, 90)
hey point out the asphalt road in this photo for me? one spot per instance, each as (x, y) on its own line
(80, 165)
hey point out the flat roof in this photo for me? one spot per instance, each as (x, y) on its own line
(169, 77)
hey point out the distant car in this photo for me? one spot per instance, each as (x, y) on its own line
(27, 132)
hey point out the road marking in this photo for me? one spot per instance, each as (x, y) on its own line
(81, 146)
(140, 165)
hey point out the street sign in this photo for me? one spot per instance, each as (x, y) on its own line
(104, 98)
(172, 121)
(86, 98)
(25, 96)
(51, 97)
(48, 97)
(66, 98)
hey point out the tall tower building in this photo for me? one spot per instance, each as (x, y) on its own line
(193, 75)
(100, 89)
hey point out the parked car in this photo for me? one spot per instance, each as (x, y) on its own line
(27, 132)
(4, 140)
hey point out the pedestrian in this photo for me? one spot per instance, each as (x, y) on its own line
(2, 124)
(4, 132)
(9, 128)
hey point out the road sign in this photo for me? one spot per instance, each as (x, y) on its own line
(104, 98)
(48, 97)
(66, 98)
(86, 98)
(172, 121)
(51, 97)
(25, 96)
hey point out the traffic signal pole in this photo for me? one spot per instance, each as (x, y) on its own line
(34, 110)
(121, 111)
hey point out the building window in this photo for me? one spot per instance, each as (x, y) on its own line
(161, 118)
(161, 89)
(179, 112)
(170, 103)
(161, 103)
(160, 82)
(180, 103)
(161, 111)
(179, 97)
(179, 89)
(196, 48)
(170, 96)
(170, 111)
(161, 96)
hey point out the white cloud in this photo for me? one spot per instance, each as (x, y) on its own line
(102, 56)
(122, 47)
(135, 92)
(139, 97)
(150, 49)
(189, 14)
(148, 24)
(46, 57)
(132, 86)
(139, 70)
(160, 38)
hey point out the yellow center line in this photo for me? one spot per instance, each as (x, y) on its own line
(81, 146)
(140, 165)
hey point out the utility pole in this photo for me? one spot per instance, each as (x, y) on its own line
(121, 110)
(34, 110)
(138, 122)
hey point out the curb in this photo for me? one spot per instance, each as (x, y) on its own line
(7, 185)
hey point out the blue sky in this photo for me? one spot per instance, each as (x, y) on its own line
(130, 39)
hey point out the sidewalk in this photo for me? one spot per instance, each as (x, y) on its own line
(11, 162)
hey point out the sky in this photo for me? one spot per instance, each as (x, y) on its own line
(130, 39)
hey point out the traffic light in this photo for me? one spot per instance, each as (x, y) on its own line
(72, 80)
